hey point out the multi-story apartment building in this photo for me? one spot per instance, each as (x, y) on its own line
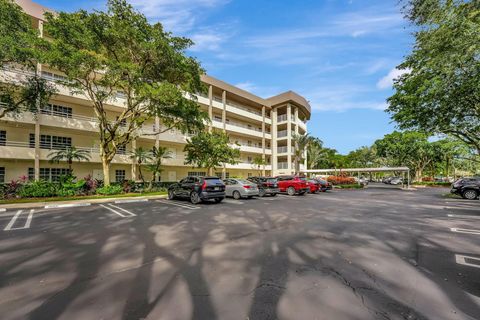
(262, 127)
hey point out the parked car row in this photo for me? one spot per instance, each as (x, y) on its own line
(393, 180)
(198, 189)
(468, 188)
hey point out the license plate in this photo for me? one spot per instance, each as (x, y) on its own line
(216, 188)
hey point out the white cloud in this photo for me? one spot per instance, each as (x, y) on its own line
(387, 81)
(175, 15)
(208, 40)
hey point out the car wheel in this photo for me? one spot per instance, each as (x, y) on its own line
(291, 191)
(195, 198)
(261, 193)
(470, 194)
(302, 193)
(171, 195)
(236, 195)
(274, 194)
(218, 200)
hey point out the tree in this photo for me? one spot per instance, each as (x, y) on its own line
(363, 157)
(258, 162)
(409, 148)
(210, 150)
(20, 48)
(301, 142)
(314, 153)
(118, 51)
(440, 91)
(155, 167)
(69, 154)
(141, 156)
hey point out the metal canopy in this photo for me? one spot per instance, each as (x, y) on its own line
(384, 169)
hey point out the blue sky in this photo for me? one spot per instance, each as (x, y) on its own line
(340, 54)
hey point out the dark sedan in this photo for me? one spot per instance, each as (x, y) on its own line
(468, 188)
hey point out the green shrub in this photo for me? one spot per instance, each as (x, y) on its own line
(68, 187)
(110, 190)
(38, 189)
(350, 186)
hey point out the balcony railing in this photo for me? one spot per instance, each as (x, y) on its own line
(282, 165)
(282, 149)
(282, 118)
(239, 106)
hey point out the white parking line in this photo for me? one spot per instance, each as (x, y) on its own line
(461, 259)
(462, 216)
(3, 209)
(67, 205)
(14, 219)
(462, 208)
(124, 210)
(131, 201)
(178, 204)
(469, 231)
(115, 211)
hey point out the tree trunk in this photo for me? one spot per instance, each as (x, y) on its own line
(106, 172)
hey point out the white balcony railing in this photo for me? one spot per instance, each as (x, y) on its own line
(282, 149)
(282, 118)
(282, 165)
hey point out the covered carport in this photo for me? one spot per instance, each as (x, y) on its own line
(403, 170)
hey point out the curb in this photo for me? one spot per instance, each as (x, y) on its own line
(75, 203)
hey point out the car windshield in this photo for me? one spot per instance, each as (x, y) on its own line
(302, 178)
(272, 180)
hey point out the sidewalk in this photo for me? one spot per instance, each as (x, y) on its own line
(73, 203)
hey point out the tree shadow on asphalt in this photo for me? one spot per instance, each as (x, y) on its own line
(313, 239)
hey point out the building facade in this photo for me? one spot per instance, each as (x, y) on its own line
(262, 128)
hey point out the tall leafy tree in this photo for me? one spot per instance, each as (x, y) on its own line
(141, 156)
(155, 166)
(210, 151)
(104, 53)
(440, 91)
(20, 48)
(69, 154)
(314, 153)
(301, 142)
(258, 163)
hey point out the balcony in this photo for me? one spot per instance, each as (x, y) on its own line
(282, 118)
(281, 150)
(282, 165)
(284, 133)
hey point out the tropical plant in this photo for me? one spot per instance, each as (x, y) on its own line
(38, 189)
(69, 154)
(20, 47)
(103, 53)
(141, 156)
(301, 142)
(155, 167)
(439, 91)
(110, 190)
(258, 163)
(210, 150)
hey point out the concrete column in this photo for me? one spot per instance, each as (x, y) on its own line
(296, 119)
(273, 115)
(37, 119)
(157, 129)
(263, 138)
(289, 137)
(210, 107)
(224, 111)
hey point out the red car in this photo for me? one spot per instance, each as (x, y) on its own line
(293, 185)
(314, 186)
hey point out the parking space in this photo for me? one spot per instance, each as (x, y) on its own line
(384, 253)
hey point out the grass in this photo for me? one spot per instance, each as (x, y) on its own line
(53, 199)
(349, 186)
(432, 184)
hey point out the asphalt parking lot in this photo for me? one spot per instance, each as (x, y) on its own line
(379, 253)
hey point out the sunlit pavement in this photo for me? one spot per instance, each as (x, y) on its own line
(380, 253)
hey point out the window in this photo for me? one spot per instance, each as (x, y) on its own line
(53, 76)
(249, 159)
(51, 142)
(250, 174)
(123, 123)
(48, 174)
(197, 174)
(119, 175)
(122, 150)
(2, 174)
(3, 138)
(218, 118)
(249, 143)
(56, 110)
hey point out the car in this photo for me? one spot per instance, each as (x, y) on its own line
(240, 188)
(396, 181)
(387, 180)
(292, 184)
(198, 189)
(468, 188)
(266, 185)
(324, 185)
(314, 186)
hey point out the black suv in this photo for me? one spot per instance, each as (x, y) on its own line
(469, 188)
(265, 185)
(198, 189)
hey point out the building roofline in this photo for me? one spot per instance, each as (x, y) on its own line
(291, 97)
(33, 9)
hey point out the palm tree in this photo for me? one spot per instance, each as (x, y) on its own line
(301, 143)
(141, 156)
(314, 153)
(69, 154)
(158, 155)
(258, 163)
